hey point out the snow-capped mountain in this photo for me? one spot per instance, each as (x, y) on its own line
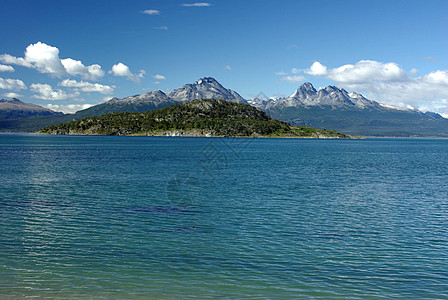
(205, 88)
(306, 96)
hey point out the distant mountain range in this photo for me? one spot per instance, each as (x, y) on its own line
(327, 108)
(351, 113)
(14, 108)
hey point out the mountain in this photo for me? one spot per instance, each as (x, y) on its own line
(14, 108)
(352, 113)
(204, 88)
(194, 118)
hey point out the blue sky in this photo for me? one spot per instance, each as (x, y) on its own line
(68, 54)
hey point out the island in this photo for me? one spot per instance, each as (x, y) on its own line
(197, 118)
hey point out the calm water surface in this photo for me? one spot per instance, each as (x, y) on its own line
(142, 217)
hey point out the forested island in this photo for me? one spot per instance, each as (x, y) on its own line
(208, 118)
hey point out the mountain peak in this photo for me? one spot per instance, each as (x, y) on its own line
(306, 90)
(12, 100)
(207, 80)
(307, 86)
(205, 88)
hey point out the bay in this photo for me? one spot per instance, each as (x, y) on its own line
(141, 217)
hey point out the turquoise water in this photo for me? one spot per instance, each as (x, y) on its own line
(142, 217)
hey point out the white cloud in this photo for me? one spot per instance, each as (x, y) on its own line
(161, 27)
(5, 68)
(151, 12)
(12, 95)
(281, 73)
(68, 109)
(87, 86)
(316, 69)
(197, 4)
(75, 67)
(45, 92)
(121, 69)
(293, 79)
(45, 59)
(228, 67)
(159, 77)
(388, 83)
(12, 84)
(12, 60)
(295, 71)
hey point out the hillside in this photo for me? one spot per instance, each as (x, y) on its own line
(195, 118)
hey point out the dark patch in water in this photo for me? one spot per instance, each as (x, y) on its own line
(188, 229)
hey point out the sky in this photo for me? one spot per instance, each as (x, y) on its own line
(68, 55)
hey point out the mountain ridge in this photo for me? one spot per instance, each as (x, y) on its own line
(325, 108)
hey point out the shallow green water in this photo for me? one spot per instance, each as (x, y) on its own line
(142, 217)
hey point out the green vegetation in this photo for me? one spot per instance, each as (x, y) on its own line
(195, 118)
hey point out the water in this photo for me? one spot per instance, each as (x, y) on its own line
(142, 217)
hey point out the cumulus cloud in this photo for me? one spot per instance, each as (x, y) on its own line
(159, 77)
(151, 12)
(12, 95)
(46, 92)
(5, 68)
(68, 109)
(121, 69)
(293, 79)
(197, 4)
(12, 84)
(75, 67)
(316, 69)
(87, 86)
(388, 83)
(12, 60)
(45, 59)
